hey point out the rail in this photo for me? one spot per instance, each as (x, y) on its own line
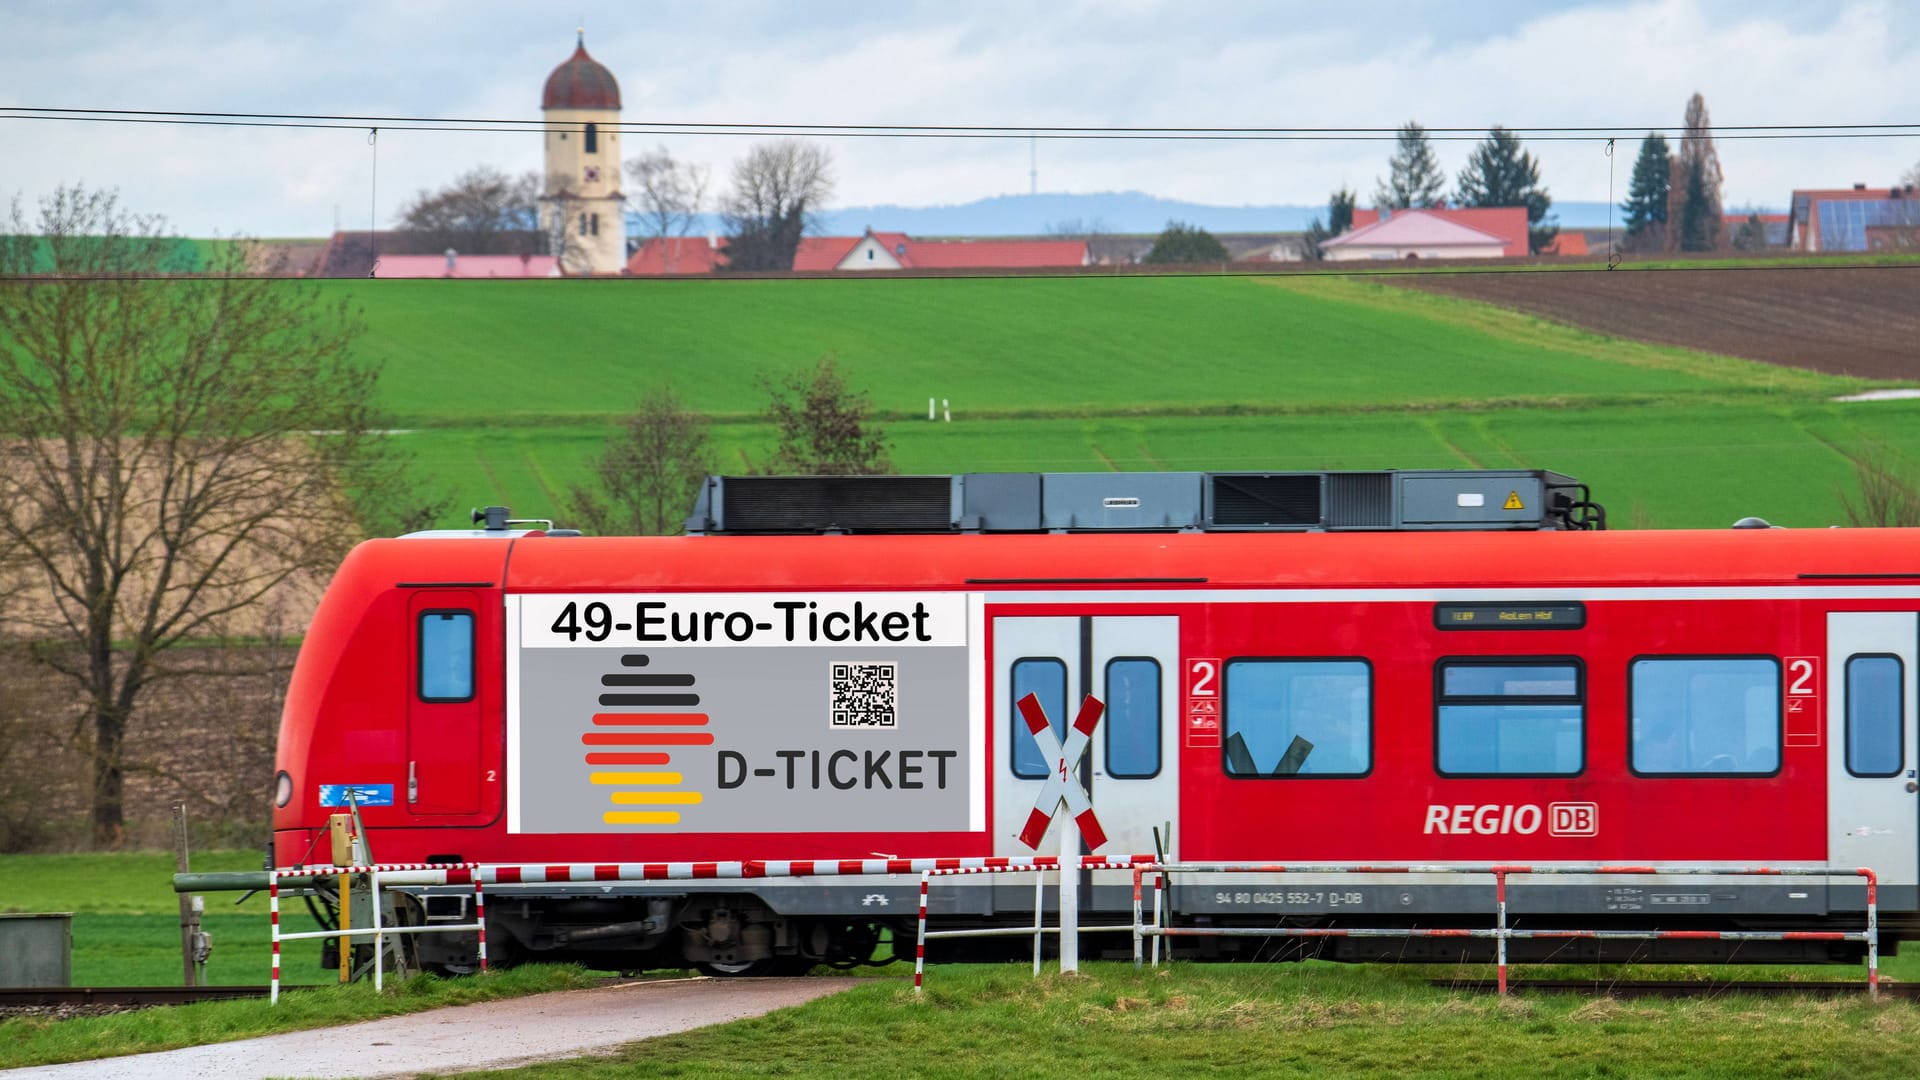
(1501, 932)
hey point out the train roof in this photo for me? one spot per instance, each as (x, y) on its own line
(540, 563)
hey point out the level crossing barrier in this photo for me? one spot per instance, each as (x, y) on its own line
(397, 874)
(481, 875)
(1039, 867)
(1501, 932)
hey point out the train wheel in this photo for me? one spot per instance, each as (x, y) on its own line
(741, 969)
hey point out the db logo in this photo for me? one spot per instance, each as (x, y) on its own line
(1573, 819)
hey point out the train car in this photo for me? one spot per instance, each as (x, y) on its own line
(1328, 668)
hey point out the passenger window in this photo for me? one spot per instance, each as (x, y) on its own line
(446, 656)
(1287, 718)
(1046, 679)
(1510, 718)
(1706, 716)
(1133, 717)
(1876, 715)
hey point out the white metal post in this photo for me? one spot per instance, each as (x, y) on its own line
(1069, 897)
(379, 939)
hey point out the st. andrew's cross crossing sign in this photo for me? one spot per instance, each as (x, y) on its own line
(1062, 785)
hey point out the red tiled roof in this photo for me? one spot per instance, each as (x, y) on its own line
(581, 82)
(1508, 223)
(1416, 228)
(464, 266)
(994, 254)
(823, 254)
(1568, 243)
(690, 255)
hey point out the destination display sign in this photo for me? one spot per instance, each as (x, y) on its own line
(1511, 615)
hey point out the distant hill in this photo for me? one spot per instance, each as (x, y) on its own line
(1113, 212)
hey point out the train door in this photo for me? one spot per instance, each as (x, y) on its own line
(1130, 663)
(443, 703)
(1873, 751)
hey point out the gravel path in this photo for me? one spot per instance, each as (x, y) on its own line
(493, 1035)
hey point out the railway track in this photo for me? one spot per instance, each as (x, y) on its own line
(1684, 989)
(128, 996)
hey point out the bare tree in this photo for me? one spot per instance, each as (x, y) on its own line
(483, 212)
(558, 207)
(825, 428)
(1887, 498)
(179, 450)
(670, 195)
(778, 188)
(649, 473)
(1911, 178)
(1103, 247)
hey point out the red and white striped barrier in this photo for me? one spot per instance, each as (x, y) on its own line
(1500, 932)
(480, 876)
(396, 874)
(1038, 865)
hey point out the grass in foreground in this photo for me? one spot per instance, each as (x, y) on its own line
(1267, 1020)
(29, 1041)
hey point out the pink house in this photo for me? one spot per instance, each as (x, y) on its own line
(1435, 234)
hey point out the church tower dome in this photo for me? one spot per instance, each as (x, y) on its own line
(581, 204)
(581, 83)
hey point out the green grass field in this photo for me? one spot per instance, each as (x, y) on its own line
(505, 391)
(1310, 1019)
(552, 351)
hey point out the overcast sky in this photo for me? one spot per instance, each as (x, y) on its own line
(1373, 63)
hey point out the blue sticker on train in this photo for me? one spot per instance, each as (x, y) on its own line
(363, 794)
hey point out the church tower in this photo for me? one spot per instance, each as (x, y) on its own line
(581, 207)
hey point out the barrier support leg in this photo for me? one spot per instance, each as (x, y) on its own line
(273, 914)
(346, 923)
(480, 917)
(1500, 925)
(1039, 913)
(1159, 918)
(1873, 935)
(920, 949)
(379, 939)
(1136, 918)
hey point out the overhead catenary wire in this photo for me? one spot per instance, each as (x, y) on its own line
(1186, 133)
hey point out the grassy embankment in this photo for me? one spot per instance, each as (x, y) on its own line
(508, 389)
(1295, 1019)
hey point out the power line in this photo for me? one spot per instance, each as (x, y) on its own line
(1543, 133)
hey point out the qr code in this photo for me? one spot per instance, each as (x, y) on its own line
(865, 695)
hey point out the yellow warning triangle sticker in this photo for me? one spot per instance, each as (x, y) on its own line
(1513, 502)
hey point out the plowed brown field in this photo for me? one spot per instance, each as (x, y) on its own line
(1862, 322)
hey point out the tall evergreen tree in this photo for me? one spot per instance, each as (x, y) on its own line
(1696, 181)
(1339, 219)
(1699, 226)
(1414, 178)
(1340, 210)
(1499, 173)
(1647, 195)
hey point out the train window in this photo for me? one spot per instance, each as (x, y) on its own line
(1509, 718)
(446, 656)
(1705, 715)
(1045, 678)
(1305, 717)
(1876, 715)
(1133, 717)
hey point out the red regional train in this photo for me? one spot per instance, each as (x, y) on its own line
(1343, 667)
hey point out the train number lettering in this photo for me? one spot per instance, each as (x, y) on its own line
(597, 617)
